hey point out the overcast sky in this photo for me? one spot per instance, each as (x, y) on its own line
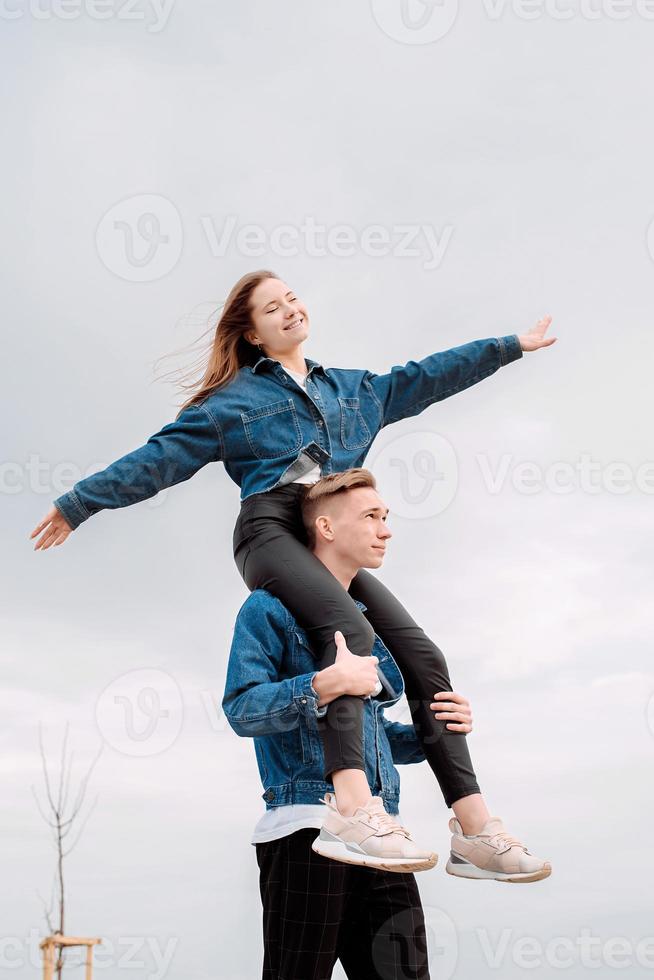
(486, 166)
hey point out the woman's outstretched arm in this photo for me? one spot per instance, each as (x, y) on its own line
(408, 389)
(170, 456)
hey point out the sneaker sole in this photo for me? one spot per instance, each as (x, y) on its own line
(471, 871)
(339, 851)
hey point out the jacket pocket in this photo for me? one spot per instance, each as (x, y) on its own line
(308, 738)
(258, 750)
(273, 430)
(355, 433)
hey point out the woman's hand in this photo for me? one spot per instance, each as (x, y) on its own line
(56, 529)
(535, 337)
(453, 708)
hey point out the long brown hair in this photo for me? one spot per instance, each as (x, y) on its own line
(228, 350)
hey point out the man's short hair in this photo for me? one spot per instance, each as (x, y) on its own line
(317, 495)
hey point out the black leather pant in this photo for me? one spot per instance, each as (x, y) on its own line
(271, 553)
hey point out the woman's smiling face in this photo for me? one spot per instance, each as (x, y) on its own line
(279, 319)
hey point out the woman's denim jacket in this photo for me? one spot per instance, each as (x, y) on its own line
(268, 431)
(269, 697)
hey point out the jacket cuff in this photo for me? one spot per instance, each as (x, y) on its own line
(510, 349)
(72, 508)
(305, 698)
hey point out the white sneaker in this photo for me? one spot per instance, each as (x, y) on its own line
(371, 837)
(494, 854)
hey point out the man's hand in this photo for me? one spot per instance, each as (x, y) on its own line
(348, 674)
(357, 675)
(55, 527)
(535, 337)
(453, 707)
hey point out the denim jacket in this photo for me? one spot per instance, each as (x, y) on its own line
(268, 431)
(269, 697)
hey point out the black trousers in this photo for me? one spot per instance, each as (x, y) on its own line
(270, 550)
(317, 911)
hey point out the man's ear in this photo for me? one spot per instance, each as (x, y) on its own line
(324, 528)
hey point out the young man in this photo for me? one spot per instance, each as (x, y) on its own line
(317, 910)
(274, 693)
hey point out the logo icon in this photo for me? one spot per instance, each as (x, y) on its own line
(140, 239)
(415, 21)
(419, 474)
(141, 712)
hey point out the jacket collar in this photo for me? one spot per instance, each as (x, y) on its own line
(269, 362)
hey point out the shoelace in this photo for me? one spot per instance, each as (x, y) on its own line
(502, 838)
(381, 821)
(387, 824)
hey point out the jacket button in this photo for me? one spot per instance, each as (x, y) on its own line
(304, 700)
(320, 423)
(269, 794)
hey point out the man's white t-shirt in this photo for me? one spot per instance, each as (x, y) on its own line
(284, 820)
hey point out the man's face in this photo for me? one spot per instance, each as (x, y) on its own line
(357, 522)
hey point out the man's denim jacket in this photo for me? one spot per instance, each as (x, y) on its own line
(269, 697)
(268, 431)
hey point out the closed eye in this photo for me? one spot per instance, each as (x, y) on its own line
(293, 298)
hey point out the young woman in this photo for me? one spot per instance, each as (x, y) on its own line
(279, 421)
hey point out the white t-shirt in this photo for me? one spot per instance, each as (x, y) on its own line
(313, 475)
(284, 820)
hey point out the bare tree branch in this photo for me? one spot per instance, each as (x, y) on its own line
(84, 822)
(84, 782)
(45, 770)
(67, 786)
(40, 809)
(60, 825)
(62, 769)
(47, 907)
